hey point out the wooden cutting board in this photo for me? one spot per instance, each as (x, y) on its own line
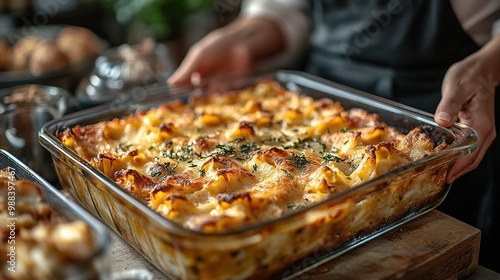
(434, 246)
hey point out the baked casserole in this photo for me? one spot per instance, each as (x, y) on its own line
(38, 241)
(220, 163)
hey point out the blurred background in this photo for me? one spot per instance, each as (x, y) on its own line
(174, 24)
(122, 21)
(61, 56)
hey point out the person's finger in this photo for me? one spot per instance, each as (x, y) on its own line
(236, 62)
(479, 115)
(227, 75)
(462, 166)
(188, 66)
(195, 79)
(181, 76)
(452, 100)
(472, 161)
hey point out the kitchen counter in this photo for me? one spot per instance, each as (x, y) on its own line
(433, 246)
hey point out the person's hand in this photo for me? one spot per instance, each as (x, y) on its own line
(229, 52)
(215, 55)
(468, 94)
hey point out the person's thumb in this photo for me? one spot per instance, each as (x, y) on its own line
(189, 65)
(181, 76)
(452, 101)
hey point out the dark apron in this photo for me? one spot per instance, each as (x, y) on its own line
(398, 49)
(401, 50)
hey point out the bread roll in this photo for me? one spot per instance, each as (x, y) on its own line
(78, 43)
(47, 57)
(5, 55)
(22, 52)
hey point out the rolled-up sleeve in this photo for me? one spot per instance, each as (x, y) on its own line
(292, 18)
(495, 30)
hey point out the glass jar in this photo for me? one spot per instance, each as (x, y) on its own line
(23, 111)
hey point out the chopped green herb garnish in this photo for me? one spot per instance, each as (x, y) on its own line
(187, 148)
(202, 172)
(238, 140)
(295, 207)
(155, 174)
(287, 173)
(329, 157)
(168, 143)
(248, 147)
(226, 150)
(124, 147)
(170, 170)
(292, 146)
(200, 155)
(299, 160)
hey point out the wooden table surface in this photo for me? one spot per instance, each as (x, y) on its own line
(433, 246)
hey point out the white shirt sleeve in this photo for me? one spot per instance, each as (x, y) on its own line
(479, 18)
(292, 18)
(495, 30)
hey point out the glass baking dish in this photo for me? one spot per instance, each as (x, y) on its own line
(98, 265)
(273, 249)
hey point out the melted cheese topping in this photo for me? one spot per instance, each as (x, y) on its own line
(227, 160)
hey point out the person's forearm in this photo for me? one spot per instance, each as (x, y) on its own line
(262, 36)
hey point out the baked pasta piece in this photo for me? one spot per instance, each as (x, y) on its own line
(223, 161)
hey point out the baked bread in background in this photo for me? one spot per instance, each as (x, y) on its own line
(47, 57)
(39, 55)
(21, 52)
(78, 43)
(5, 55)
